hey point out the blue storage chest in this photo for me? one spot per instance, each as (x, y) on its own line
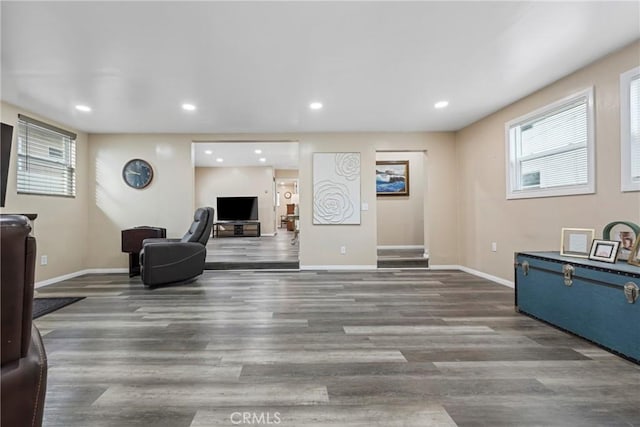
(592, 299)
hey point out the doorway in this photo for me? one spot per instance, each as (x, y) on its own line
(401, 209)
(238, 169)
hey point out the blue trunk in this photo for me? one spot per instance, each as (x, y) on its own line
(592, 305)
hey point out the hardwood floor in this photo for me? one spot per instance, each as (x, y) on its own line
(402, 258)
(242, 253)
(379, 348)
(278, 252)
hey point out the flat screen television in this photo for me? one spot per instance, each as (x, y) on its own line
(237, 208)
(5, 155)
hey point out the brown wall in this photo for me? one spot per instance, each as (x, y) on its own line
(61, 229)
(320, 244)
(464, 189)
(535, 224)
(212, 182)
(401, 218)
(113, 206)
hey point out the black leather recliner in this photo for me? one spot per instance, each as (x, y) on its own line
(24, 361)
(177, 260)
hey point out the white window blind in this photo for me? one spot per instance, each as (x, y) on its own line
(630, 129)
(46, 159)
(550, 150)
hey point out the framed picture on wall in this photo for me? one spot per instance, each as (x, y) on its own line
(576, 242)
(392, 178)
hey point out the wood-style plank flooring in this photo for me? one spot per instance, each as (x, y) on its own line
(385, 348)
(278, 252)
(253, 249)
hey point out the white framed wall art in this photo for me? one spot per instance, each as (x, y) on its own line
(336, 188)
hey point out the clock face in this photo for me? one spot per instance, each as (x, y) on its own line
(137, 173)
(287, 195)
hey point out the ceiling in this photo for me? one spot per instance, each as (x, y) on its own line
(255, 66)
(279, 155)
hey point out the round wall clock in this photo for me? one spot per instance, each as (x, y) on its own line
(137, 173)
(287, 195)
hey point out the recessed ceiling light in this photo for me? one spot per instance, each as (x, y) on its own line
(258, 151)
(188, 107)
(84, 108)
(208, 152)
(315, 105)
(262, 159)
(441, 104)
(219, 160)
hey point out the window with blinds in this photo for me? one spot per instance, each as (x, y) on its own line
(46, 159)
(550, 151)
(630, 129)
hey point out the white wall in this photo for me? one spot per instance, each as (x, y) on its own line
(61, 229)
(401, 218)
(212, 182)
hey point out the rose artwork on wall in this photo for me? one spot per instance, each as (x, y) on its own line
(336, 188)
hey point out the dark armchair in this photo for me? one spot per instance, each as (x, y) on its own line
(24, 361)
(176, 260)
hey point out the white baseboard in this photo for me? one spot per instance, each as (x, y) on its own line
(444, 267)
(338, 267)
(268, 234)
(80, 273)
(493, 278)
(400, 247)
(487, 276)
(106, 270)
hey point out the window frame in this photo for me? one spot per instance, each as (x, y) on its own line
(626, 183)
(71, 166)
(511, 160)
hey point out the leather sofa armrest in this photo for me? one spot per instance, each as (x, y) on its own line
(158, 240)
(24, 385)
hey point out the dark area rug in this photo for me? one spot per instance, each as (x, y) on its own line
(42, 306)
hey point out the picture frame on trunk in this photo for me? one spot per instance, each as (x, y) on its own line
(604, 250)
(576, 242)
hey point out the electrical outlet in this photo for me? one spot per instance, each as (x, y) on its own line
(44, 260)
(343, 250)
(494, 246)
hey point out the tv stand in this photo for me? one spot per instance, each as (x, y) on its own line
(236, 229)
